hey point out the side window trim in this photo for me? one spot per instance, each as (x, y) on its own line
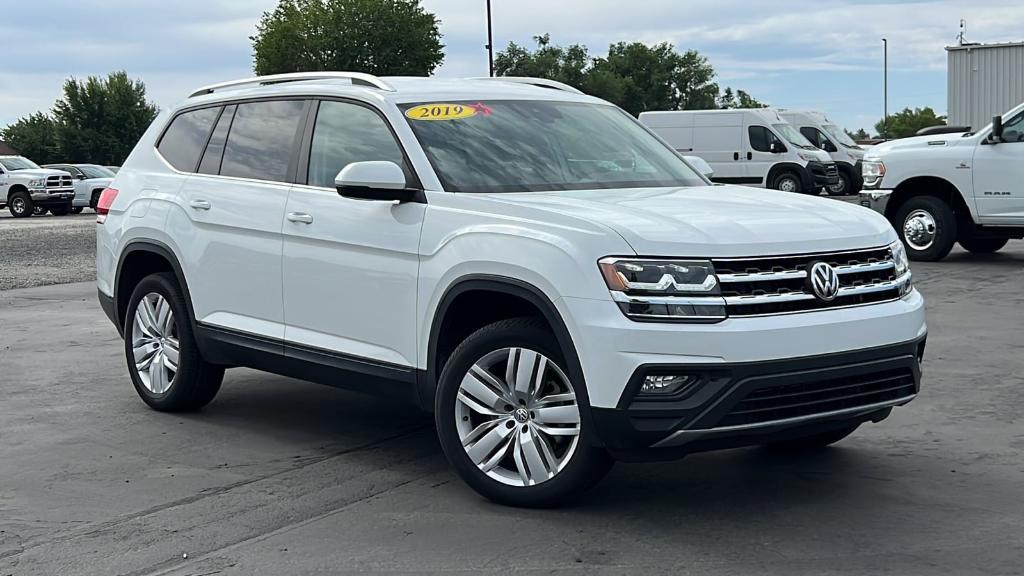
(179, 113)
(209, 136)
(413, 179)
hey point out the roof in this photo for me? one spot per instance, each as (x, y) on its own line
(395, 89)
(978, 46)
(5, 149)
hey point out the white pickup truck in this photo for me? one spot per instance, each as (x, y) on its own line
(941, 189)
(25, 186)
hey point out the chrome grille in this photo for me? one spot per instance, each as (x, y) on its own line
(778, 285)
(56, 182)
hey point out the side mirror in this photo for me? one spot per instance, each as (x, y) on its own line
(830, 147)
(377, 180)
(997, 129)
(700, 165)
(776, 148)
(80, 176)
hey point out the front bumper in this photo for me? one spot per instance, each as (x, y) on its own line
(823, 174)
(51, 197)
(877, 200)
(757, 403)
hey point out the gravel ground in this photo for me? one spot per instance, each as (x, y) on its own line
(44, 250)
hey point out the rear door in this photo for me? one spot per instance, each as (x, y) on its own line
(999, 176)
(350, 266)
(231, 213)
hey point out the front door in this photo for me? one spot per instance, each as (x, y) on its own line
(760, 157)
(350, 266)
(999, 176)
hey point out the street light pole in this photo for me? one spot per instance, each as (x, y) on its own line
(490, 42)
(885, 87)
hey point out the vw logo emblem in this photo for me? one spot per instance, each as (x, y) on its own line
(824, 281)
(521, 415)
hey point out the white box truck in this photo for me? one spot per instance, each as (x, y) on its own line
(755, 147)
(830, 137)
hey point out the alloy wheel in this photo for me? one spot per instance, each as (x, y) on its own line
(155, 343)
(19, 206)
(788, 185)
(517, 416)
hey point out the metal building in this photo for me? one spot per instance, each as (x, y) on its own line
(984, 80)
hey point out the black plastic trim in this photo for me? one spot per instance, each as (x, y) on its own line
(160, 249)
(107, 304)
(807, 182)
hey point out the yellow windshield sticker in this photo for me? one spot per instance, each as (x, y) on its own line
(446, 111)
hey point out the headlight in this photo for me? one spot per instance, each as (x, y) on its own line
(902, 263)
(664, 290)
(37, 183)
(808, 157)
(873, 172)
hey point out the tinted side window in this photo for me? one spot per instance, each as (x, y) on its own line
(262, 139)
(1013, 131)
(185, 138)
(761, 138)
(813, 135)
(210, 163)
(346, 133)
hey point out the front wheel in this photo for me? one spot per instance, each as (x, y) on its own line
(843, 187)
(20, 205)
(927, 227)
(165, 365)
(787, 182)
(510, 419)
(983, 245)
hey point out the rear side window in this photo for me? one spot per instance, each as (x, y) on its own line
(346, 133)
(185, 138)
(215, 149)
(262, 139)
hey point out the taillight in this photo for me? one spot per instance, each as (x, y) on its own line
(107, 198)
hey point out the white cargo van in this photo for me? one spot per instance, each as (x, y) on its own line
(831, 138)
(756, 147)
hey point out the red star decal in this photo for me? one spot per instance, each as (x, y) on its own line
(481, 108)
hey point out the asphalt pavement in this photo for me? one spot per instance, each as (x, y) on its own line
(281, 477)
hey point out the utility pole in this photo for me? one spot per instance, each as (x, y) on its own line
(885, 87)
(490, 42)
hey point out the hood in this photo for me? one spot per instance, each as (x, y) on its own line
(821, 154)
(98, 181)
(918, 142)
(718, 221)
(39, 172)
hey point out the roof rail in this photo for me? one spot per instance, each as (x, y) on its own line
(357, 78)
(542, 82)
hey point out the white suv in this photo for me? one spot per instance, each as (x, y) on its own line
(530, 263)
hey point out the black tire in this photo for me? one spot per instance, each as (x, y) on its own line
(94, 201)
(39, 210)
(843, 188)
(196, 382)
(939, 222)
(77, 210)
(815, 441)
(983, 245)
(587, 464)
(60, 210)
(788, 181)
(20, 205)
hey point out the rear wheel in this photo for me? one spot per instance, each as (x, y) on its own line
(983, 245)
(510, 420)
(20, 205)
(816, 441)
(39, 210)
(165, 365)
(927, 227)
(787, 182)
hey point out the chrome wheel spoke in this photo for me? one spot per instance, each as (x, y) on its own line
(143, 351)
(157, 373)
(155, 350)
(519, 429)
(171, 353)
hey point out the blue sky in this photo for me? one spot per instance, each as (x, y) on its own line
(790, 53)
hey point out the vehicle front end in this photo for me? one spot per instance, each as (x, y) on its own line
(49, 188)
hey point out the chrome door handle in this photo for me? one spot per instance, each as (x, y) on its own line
(300, 217)
(200, 204)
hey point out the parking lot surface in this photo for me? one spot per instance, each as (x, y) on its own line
(47, 249)
(282, 477)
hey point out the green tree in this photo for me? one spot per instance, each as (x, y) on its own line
(382, 37)
(34, 136)
(860, 134)
(633, 75)
(907, 122)
(740, 99)
(99, 120)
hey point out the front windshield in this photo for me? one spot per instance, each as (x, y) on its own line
(93, 171)
(539, 146)
(18, 163)
(794, 136)
(839, 135)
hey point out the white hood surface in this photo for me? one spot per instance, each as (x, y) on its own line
(718, 221)
(38, 173)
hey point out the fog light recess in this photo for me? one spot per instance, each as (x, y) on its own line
(669, 384)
